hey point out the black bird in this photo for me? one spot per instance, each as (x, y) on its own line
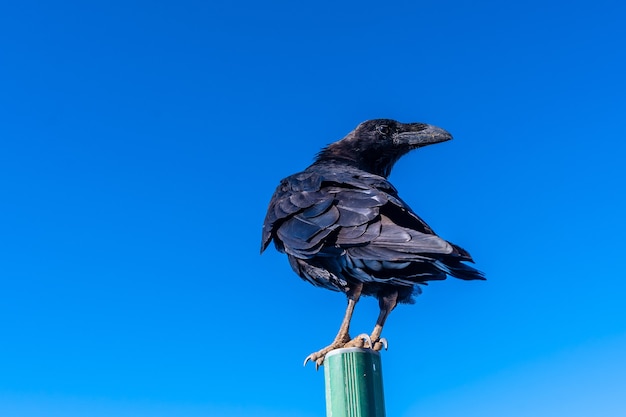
(344, 228)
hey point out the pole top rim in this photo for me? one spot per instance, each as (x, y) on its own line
(351, 350)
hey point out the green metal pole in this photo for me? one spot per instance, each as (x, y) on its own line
(354, 383)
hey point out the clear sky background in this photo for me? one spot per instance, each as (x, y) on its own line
(140, 143)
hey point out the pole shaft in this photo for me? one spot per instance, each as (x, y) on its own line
(354, 383)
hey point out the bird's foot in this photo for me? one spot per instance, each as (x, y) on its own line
(379, 344)
(365, 341)
(362, 340)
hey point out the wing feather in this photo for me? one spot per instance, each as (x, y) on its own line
(355, 222)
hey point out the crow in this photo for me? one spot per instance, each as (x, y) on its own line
(344, 227)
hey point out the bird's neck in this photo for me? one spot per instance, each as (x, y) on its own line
(374, 163)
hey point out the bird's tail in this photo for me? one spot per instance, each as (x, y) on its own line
(459, 270)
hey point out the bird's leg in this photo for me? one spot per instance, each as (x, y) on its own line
(387, 302)
(343, 336)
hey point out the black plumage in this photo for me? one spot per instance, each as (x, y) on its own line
(344, 227)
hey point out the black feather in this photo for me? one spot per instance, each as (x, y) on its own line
(341, 221)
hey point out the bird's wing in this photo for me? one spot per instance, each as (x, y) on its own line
(314, 223)
(394, 242)
(308, 209)
(361, 219)
(342, 209)
(401, 247)
(300, 209)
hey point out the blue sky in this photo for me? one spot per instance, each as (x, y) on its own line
(140, 143)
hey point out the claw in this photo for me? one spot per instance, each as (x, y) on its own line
(367, 340)
(383, 341)
(318, 361)
(361, 341)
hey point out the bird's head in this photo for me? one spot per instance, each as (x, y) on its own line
(375, 145)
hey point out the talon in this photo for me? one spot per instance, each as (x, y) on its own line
(311, 358)
(360, 341)
(368, 339)
(383, 341)
(318, 357)
(379, 344)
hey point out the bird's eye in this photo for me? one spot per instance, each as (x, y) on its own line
(383, 129)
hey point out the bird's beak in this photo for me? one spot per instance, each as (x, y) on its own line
(417, 135)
